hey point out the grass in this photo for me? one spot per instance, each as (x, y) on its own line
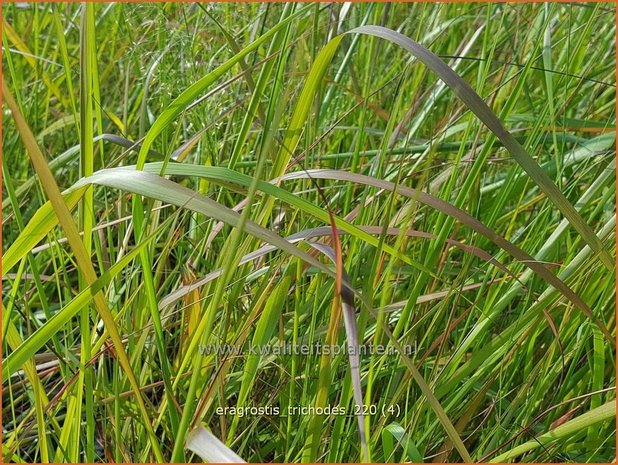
(184, 182)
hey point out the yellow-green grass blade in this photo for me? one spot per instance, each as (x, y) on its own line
(83, 260)
(303, 105)
(23, 351)
(85, 383)
(597, 415)
(496, 343)
(40, 398)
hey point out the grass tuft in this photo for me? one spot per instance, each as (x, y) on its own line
(379, 232)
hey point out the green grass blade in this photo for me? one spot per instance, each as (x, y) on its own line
(26, 350)
(466, 219)
(597, 415)
(83, 260)
(472, 100)
(181, 102)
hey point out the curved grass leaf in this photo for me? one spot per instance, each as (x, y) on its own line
(158, 188)
(83, 260)
(476, 104)
(465, 218)
(603, 413)
(210, 448)
(468, 96)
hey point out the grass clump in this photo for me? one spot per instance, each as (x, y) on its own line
(207, 207)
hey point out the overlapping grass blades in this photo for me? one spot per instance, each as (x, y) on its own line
(450, 249)
(85, 266)
(474, 103)
(599, 414)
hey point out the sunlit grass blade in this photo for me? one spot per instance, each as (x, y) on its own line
(600, 414)
(25, 350)
(84, 263)
(85, 383)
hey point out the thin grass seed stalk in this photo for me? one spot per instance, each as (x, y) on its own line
(208, 155)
